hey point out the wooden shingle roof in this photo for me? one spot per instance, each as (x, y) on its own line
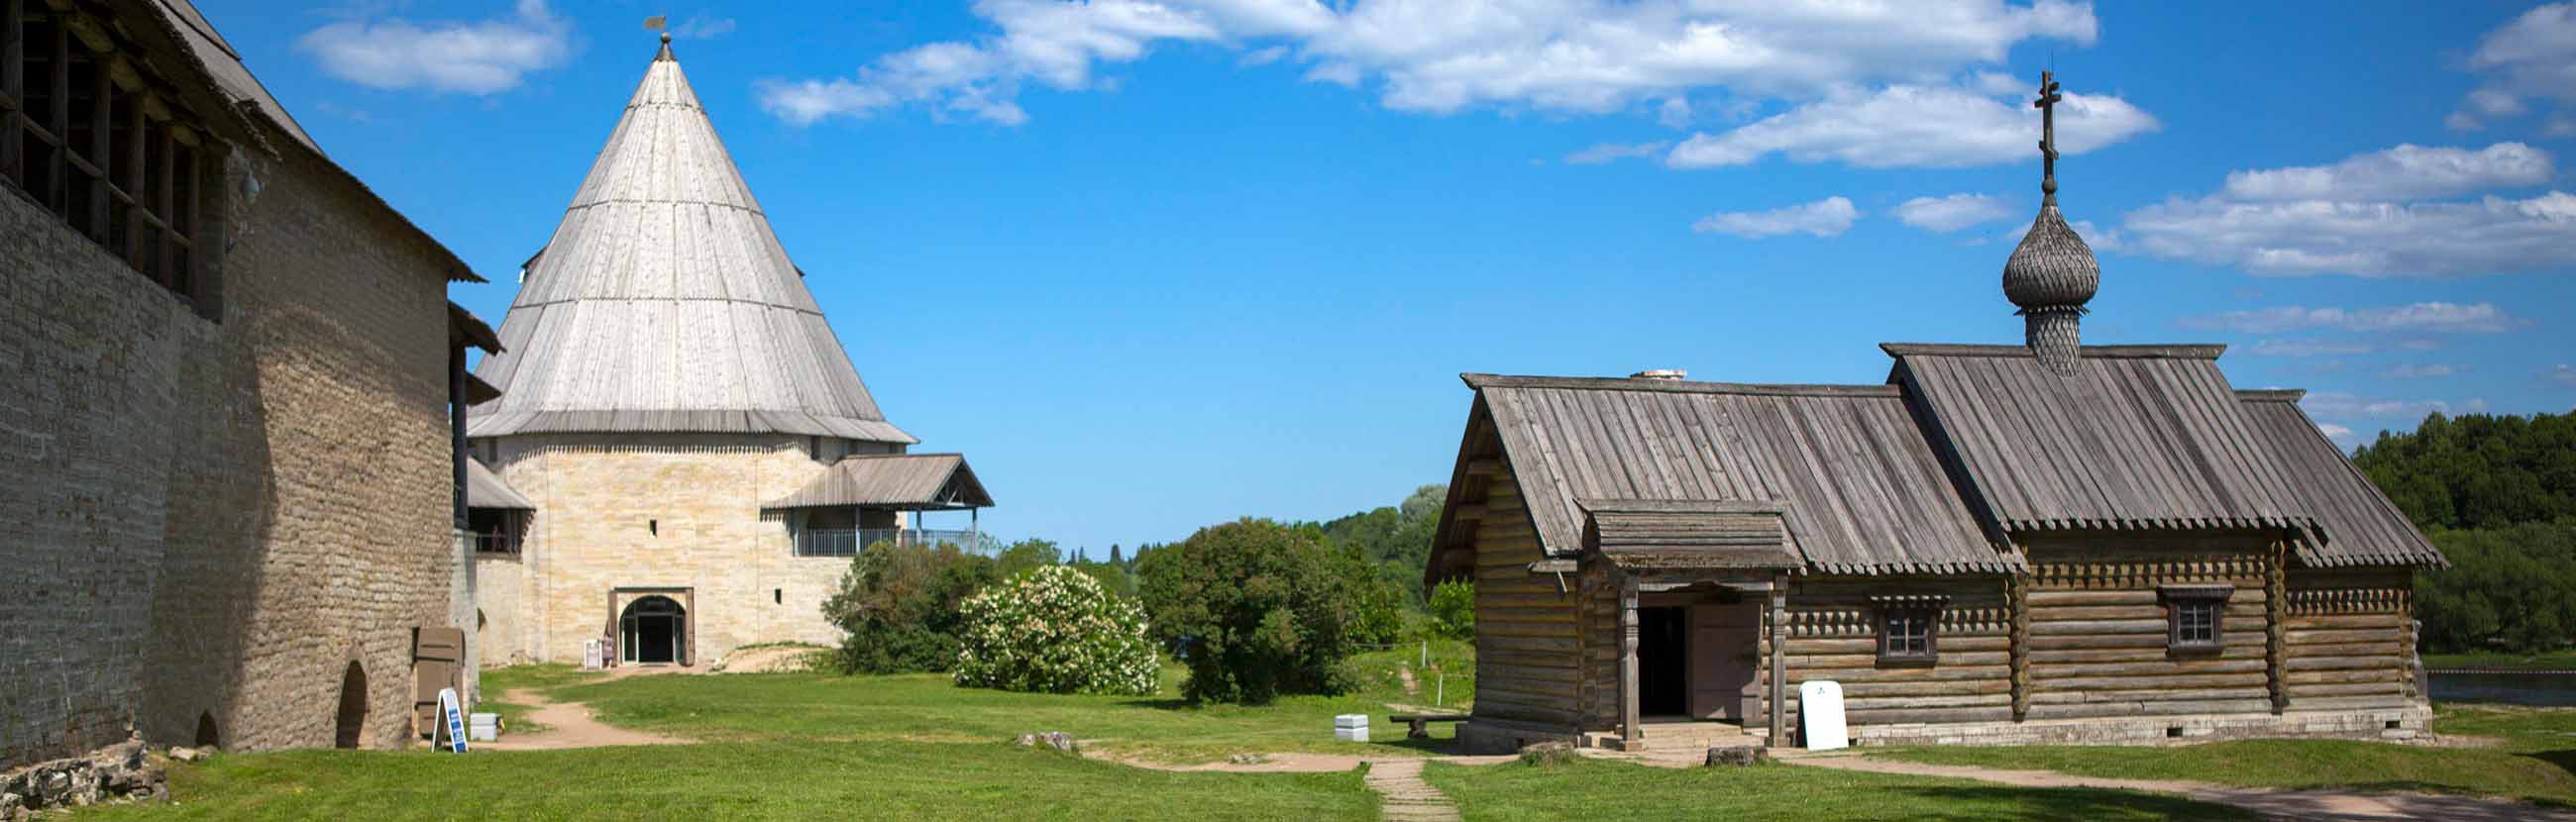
(2132, 437)
(908, 481)
(2359, 525)
(665, 303)
(484, 489)
(1690, 534)
(1861, 488)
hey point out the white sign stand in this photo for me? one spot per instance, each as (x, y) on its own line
(451, 716)
(1820, 710)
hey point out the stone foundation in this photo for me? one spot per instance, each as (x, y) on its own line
(2395, 723)
(117, 773)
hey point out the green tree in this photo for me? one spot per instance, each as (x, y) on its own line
(898, 605)
(1255, 609)
(1027, 555)
(2498, 495)
(1453, 609)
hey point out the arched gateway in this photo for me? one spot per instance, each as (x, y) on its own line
(653, 631)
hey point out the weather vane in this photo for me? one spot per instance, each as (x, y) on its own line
(2047, 105)
(660, 23)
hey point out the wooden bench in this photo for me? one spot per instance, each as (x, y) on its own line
(1418, 726)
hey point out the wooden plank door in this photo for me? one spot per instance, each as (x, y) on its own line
(1724, 642)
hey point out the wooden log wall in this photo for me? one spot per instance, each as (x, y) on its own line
(2349, 637)
(2099, 632)
(1833, 634)
(1527, 650)
(1599, 608)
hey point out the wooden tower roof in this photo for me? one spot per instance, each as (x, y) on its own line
(665, 303)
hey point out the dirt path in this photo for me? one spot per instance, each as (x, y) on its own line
(568, 726)
(1397, 779)
(2304, 805)
(1407, 796)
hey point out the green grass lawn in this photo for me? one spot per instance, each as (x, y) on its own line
(2533, 762)
(781, 780)
(820, 746)
(2562, 659)
(1595, 789)
(500, 681)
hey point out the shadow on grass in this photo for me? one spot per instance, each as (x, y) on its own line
(1168, 704)
(1978, 803)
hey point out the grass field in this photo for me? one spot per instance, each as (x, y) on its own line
(2536, 761)
(1594, 789)
(820, 746)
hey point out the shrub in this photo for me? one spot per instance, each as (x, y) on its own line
(1054, 630)
(1255, 609)
(898, 604)
(1453, 609)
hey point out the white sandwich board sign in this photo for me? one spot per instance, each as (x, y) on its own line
(451, 716)
(1820, 712)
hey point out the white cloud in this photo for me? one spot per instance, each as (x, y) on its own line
(1915, 127)
(1607, 152)
(2341, 404)
(2409, 371)
(2534, 56)
(1675, 112)
(2433, 239)
(483, 57)
(2407, 172)
(1824, 218)
(1264, 56)
(700, 27)
(1951, 213)
(2425, 317)
(2560, 374)
(2310, 348)
(2095, 237)
(1578, 56)
(2339, 434)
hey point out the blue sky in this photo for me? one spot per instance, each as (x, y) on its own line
(1158, 266)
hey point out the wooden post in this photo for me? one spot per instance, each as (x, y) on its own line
(2276, 618)
(102, 122)
(455, 431)
(136, 127)
(1631, 732)
(1779, 661)
(2018, 598)
(163, 200)
(13, 84)
(59, 120)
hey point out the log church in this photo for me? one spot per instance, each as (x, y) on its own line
(2040, 543)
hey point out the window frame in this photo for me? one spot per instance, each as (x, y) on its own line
(2181, 603)
(1891, 623)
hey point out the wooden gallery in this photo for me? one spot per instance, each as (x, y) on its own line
(2042, 543)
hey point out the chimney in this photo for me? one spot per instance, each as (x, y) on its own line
(1667, 374)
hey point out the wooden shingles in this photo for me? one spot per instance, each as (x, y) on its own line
(1862, 490)
(2361, 525)
(664, 302)
(2136, 437)
(892, 480)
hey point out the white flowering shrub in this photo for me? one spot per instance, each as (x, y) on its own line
(1054, 630)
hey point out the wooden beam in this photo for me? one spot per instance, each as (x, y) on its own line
(1630, 729)
(13, 84)
(1468, 511)
(59, 119)
(2276, 602)
(2017, 593)
(102, 124)
(1779, 614)
(1483, 466)
(164, 197)
(135, 129)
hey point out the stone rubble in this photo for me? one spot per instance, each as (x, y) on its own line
(117, 773)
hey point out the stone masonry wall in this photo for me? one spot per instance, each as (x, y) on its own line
(103, 369)
(215, 518)
(666, 510)
(499, 591)
(315, 532)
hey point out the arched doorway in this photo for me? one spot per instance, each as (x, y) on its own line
(351, 727)
(207, 735)
(653, 630)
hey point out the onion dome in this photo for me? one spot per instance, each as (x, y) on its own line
(2052, 274)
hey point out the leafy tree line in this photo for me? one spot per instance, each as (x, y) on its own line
(1255, 609)
(2498, 495)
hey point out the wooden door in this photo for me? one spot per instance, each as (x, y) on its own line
(1724, 647)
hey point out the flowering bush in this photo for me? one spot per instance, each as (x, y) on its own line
(1054, 630)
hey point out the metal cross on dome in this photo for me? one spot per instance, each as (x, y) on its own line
(2047, 105)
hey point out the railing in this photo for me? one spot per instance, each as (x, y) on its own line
(846, 542)
(493, 543)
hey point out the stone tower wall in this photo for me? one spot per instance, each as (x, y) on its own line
(657, 511)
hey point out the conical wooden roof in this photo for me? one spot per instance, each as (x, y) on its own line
(664, 302)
